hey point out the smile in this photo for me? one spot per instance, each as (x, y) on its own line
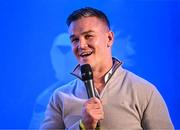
(85, 54)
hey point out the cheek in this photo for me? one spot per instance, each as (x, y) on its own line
(75, 50)
(101, 45)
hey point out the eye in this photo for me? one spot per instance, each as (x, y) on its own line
(88, 36)
(74, 40)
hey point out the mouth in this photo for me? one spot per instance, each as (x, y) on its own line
(86, 54)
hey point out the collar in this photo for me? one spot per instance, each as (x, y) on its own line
(107, 75)
(116, 63)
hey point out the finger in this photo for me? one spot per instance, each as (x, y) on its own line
(93, 101)
(96, 100)
(93, 109)
(93, 106)
(97, 115)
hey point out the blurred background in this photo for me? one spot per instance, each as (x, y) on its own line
(36, 57)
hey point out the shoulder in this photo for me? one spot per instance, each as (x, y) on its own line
(139, 82)
(57, 95)
(66, 88)
(135, 85)
(143, 89)
(74, 88)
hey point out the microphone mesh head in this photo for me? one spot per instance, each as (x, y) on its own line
(86, 72)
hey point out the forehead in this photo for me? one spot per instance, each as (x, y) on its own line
(87, 23)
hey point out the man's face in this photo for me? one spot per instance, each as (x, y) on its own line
(91, 41)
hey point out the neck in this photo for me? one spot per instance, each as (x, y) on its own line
(99, 75)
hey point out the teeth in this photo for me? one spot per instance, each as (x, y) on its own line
(85, 54)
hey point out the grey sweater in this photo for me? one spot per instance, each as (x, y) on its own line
(129, 102)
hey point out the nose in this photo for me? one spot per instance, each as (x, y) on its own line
(82, 44)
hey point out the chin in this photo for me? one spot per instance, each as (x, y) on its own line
(86, 61)
(82, 63)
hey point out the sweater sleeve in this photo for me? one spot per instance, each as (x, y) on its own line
(53, 115)
(156, 115)
(75, 126)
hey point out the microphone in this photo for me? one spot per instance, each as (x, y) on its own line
(87, 77)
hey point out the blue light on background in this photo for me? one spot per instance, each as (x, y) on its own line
(36, 57)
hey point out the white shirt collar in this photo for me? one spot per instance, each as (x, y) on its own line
(108, 75)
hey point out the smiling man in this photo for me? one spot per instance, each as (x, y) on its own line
(124, 100)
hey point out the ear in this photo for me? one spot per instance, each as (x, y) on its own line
(110, 38)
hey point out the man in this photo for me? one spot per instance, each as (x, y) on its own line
(124, 101)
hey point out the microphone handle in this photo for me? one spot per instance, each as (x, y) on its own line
(98, 126)
(90, 88)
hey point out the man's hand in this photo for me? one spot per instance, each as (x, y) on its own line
(92, 112)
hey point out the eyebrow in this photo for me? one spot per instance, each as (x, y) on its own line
(83, 33)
